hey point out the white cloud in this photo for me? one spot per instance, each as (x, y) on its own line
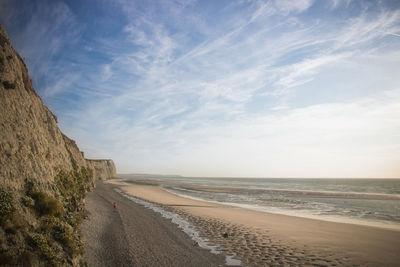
(60, 84)
(213, 135)
(300, 73)
(391, 33)
(335, 140)
(106, 72)
(39, 41)
(296, 6)
(363, 29)
(257, 89)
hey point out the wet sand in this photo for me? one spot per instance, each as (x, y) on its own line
(263, 239)
(132, 235)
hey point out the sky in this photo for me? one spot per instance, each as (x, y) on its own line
(220, 88)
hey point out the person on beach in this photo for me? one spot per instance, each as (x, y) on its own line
(115, 205)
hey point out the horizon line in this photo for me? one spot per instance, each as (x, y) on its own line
(258, 177)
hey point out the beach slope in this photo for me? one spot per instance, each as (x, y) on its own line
(131, 235)
(264, 239)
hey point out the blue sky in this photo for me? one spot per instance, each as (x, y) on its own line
(220, 88)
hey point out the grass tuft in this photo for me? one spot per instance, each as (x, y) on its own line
(7, 207)
(47, 205)
(40, 242)
(39, 229)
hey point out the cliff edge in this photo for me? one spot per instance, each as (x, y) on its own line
(43, 174)
(103, 169)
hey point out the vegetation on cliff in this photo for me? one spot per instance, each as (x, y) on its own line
(40, 228)
(43, 175)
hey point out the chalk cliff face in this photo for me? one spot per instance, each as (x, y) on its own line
(31, 144)
(43, 175)
(102, 169)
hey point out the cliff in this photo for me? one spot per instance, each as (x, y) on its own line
(102, 168)
(43, 174)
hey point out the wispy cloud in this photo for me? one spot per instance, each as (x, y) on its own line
(297, 6)
(335, 136)
(303, 72)
(195, 99)
(49, 26)
(390, 33)
(193, 87)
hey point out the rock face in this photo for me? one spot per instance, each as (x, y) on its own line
(31, 145)
(102, 169)
(43, 175)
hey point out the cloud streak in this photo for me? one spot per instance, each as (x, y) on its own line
(242, 88)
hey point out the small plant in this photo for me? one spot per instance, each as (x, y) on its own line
(54, 240)
(41, 244)
(47, 205)
(28, 186)
(6, 204)
(72, 186)
(74, 218)
(62, 232)
(27, 201)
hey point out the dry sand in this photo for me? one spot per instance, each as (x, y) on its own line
(132, 235)
(264, 239)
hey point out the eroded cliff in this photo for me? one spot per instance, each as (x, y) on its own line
(102, 169)
(43, 174)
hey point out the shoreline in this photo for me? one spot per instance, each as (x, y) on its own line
(320, 210)
(260, 238)
(327, 218)
(132, 235)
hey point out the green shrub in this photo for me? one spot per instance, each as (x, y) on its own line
(15, 223)
(47, 205)
(62, 232)
(6, 204)
(27, 201)
(39, 241)
(72, 186)
(74, 218)
(41, 245)
(55, 240)
(29, 186)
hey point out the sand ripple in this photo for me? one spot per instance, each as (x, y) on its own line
(254, 247)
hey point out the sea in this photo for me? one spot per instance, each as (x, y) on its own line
(373, 202)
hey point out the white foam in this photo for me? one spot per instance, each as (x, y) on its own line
(185, 226)
(310, 214)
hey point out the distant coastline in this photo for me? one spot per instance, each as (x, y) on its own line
(149, 175)
(359, 201)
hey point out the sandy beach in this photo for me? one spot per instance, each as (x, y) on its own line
(264, 239)
(132, 235)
